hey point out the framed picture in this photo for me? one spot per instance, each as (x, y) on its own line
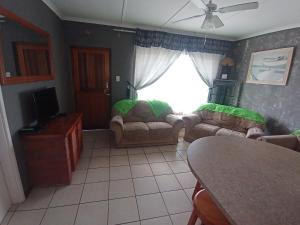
(270, 67)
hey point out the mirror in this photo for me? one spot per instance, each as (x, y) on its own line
(25, 53)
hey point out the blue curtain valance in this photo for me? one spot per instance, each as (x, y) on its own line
(146, 38)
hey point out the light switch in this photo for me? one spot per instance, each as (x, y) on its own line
(118, 78)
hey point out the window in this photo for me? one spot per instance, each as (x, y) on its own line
(180, 86)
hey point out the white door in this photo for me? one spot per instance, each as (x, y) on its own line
(5, 201)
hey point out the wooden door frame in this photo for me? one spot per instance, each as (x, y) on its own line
(72, 48)
(9, 162)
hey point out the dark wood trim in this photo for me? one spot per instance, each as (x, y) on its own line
(22, 79)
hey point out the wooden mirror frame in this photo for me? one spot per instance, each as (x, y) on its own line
(24, 79)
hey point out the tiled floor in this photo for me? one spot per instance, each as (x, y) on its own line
(133, 186)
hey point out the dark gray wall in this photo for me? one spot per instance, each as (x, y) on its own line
(17, 98)
(121, 45)
(280, 104)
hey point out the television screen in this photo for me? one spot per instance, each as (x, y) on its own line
(46, 104)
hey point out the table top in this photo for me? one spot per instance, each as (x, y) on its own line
(253, 182)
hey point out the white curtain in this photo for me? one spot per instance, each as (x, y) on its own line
(207, 65)
(151, 64)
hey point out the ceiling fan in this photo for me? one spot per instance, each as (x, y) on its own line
(212, 21)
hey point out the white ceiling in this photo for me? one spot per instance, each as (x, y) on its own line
(272, 15)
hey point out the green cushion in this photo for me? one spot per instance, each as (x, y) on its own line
(296, 132)
(158, 107)
(234, 111)
(124, 106)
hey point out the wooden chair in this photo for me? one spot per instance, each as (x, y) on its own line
(207, 211)
(198, 188)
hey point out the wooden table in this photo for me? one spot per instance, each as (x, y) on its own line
(253, 183)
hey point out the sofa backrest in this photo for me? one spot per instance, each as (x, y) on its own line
(142, 112)
(227, 121)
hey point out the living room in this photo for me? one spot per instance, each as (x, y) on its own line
(120, 33)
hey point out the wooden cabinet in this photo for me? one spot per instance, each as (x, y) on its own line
(52, 154)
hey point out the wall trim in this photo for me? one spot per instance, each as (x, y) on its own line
(10, 167)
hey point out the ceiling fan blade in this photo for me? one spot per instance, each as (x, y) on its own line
(189, 18)
(199, 3)
(217, 21)
(239, 7)
(211, 22)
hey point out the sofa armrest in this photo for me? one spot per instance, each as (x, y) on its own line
(254, 132)
(173, 119)
(287, 141)
(190, 121)
(117, 126)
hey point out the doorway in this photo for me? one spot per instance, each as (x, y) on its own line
(91, 74)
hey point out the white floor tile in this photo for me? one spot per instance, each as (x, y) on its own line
(99, 162)
(167, 183)
(179, 166)
(155, 157)
(134, 151)
(160, 168)
(94, 213)
(138, 159)
(182, 218)
(142, 170)
(145, 185)
(118, 152)
(121, 189)
(100, 152)
(187, 180)
(134, 223)
(78, 176)
(60, 215)
(151, 206)
(168, 148)
(83, 164)
(177, 202)
(33, 217)
(67, 195)
(189, 192)
(120, 172)
(95, 192)
(97, 175)
(86, 153)
(172, 156)
(158, 221)
(39, 198)
(122, 211)
(152, 149)
(119, 161)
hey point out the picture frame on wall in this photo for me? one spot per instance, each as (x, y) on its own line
(270, 67)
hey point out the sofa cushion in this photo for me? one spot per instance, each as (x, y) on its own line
(228, 132)
(159, 129)
(203, 130)
(135, 130)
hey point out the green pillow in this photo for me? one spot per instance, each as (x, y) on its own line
(234, 111)
(124, 106)
(158, 107)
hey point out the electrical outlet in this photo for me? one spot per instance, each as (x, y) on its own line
(118, 78)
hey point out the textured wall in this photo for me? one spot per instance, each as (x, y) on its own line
(121, 45)
(280, 104)
(17, 98)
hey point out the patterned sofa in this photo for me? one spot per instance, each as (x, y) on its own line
(206, 122)
(140, 126)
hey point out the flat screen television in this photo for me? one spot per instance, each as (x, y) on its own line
(46, 104)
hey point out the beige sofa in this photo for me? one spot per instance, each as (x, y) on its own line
(208, 123)
(140, 127)
(287, 141)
